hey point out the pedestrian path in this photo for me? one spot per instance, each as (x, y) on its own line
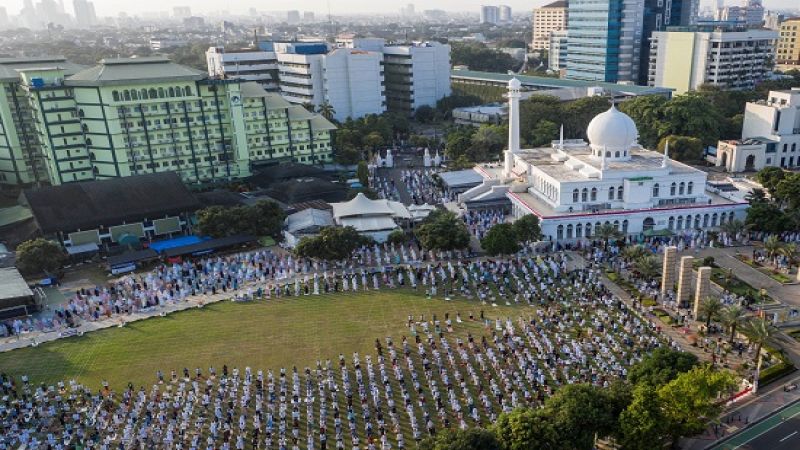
(779, 427)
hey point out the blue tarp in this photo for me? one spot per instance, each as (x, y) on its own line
(161, 246)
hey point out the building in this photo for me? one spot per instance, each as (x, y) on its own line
(574, 186)
(734, 58)
(181, 12)
(493, 114)
(22, 161)
(308, 17)
(16, 298)
(416, 74)
(293, 17)
(773, 20)
(658, 15)
(504, 14)
(373, 218)
(557, 51)
(306, 223)
(788, 47)
(770, 135)
(100, 213)
(604, 40)
(751, 14)
(163, 43)
(132, 116)
(550, 18)
(349, 80)
(85, 15)
(248, 64)
(490, 15)
(472, 81)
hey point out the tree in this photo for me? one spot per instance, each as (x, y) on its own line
(544, 133)
(362, 172)
(39, 255)
(477, 56)
(647, 111)
(661, 366)
(682, 148)
(772, 246)
(760, 332)
(577, 114)
(214, 221)
(634, 252)
(373, 140)
(732, 317)
(442, 230)
(487, 141)
(533, 111)
(710, 308)
(526, 429)
(266, 219)
(607, 232)
(500, 240)
(397, 237)
(581, 412)
(332, 244)
(458, 141)
(648, 267)
(690, 400)
(469, 439)
(766, 216)
(769, 177)
(326, 110)
(642, 424)
(693, 115)
(734, 228)
(527, 228)
(787, 192)
(424, 114)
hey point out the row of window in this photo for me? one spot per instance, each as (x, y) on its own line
(586, 195)
(674, 223)
(147, 94)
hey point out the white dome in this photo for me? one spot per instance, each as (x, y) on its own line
(514, 84)
(612, 130)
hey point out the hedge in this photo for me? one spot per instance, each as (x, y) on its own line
(775, 372)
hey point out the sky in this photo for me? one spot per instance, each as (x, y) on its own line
(112, 7)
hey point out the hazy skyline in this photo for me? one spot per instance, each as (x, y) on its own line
(113, 7)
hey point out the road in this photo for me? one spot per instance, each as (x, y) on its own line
(780, 431)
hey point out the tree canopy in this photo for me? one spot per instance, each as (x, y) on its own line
(332, 244)
(477, 56)
(682, 148)
(39, 256)
(456, 439)
(661, 366)
(442, 230)
(527, 228)
(500, 240)
(265, 218)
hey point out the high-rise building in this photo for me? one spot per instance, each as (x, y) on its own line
(85, 15)
(407, 11)
(657, 16)
(788, 47)
(259, 65)
(604, 40)
(557, 52)
(729, 57)
(134, 116)
(504, 14)
(546, 20)
(490, 15)
(416, 74)
(181, 12)
(293, 17)
(772, 20)
(308, 17)
(3, 17)
(350, 80)
(751, 14)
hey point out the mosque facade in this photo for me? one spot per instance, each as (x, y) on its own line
(575, 186)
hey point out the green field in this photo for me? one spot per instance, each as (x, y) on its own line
(263, 335)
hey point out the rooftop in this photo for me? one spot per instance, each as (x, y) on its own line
(120, 71)
(10, 67)
(557, 4)
(12, 285)
(547, 82)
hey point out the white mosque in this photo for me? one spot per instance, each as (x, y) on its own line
(574, 186)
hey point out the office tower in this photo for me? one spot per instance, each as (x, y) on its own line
(504, 14)
(751, 14)
(490, 15)
(3, 17)
(658, 15)
(308, 17)
(727, 56)
(85, 15)
(557, 51)
(416, 74)
(546, 20)
(604, 40)
(259, 65)
(788, 47)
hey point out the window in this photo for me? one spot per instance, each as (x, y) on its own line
(714, 220)
(578, 230)
(569, 231)
(115, 96)
(671, 223)
(594, 195)
(655, 190)
(611, 193)
(690, 187)
(722, 218)
(681, 188)
(625, 226)
(127, 95)
(588, 230)
(672, 188)
(560, 232)
(574, 196)
(152, 93)
(161, 92)
(584, 195)
(171, 91)
(680, 222)
(705, 220)
(616, 154)
(619, 193)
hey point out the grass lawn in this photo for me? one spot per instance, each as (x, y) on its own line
(263, 335)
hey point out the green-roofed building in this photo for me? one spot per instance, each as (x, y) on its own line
(21, 159)
(132, 116)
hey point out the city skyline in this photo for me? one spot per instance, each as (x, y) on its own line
(114, 7)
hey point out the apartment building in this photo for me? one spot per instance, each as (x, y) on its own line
(788, 47)
(730, 57)
(132, 116)
(547, 20)
(256, 65)
(416, 74)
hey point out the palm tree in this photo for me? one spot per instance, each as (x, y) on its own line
(647, 266)
(789, 251)
(710, 307)
(756, 196)
(760, 332)
(634, 252)
(772, 246)
(731, 317)
(607, 232)
(327, 110)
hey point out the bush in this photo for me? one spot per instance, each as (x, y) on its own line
(648, 302)
(775, 372)
(708, 261)
(39, 255)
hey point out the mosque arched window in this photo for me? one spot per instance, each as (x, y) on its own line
(671, 223)
(690, 188)
(681, 188)
(655, 190)
(625, 226)
(672, 188)
(697, 221)
(611, 193)
(705, 221)
(115, 96)
(560, 232)
(574, 196)
(619, 193)
(588, 230)
(714, 220)
(680, 222)
(585, 195)
(579, 230)
(594, 194)
(569, 231)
